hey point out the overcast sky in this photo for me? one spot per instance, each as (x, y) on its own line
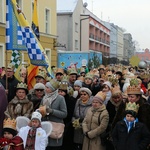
(132, 15)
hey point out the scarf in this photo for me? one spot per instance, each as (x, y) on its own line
(30, 144)
(130, 124)
(49, 98)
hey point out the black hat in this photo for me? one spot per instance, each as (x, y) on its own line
(12, 131)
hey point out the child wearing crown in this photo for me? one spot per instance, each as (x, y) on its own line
(10, 140)
(130, 134)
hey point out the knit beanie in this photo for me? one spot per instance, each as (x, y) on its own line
(78, 83)
(53, 85)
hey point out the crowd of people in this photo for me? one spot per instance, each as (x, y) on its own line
(105, 108)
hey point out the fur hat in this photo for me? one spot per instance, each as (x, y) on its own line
(53, 84)
(36, 115)
(84, 89)
(100, 96)
(78, 83)
(39, 86)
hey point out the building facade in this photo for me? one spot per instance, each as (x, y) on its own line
(80, 29)
(47, 26)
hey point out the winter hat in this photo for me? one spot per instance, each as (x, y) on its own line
(36, 115)
(100, 96)
(107, 83)
(53, 84)
(78, 83)
(40, 86)
(88, 91)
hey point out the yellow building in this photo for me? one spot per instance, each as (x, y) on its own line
(47, 25)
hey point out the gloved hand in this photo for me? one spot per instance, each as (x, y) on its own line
(86, 134)
(49, 110)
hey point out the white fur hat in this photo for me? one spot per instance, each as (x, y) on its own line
(36, 115)
(107, 83)
(40, 86)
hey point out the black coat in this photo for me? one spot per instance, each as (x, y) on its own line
(138, 137)
(11, 86)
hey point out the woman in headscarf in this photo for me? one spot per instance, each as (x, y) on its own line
(95, 123)
(81, 107)
(56, 110)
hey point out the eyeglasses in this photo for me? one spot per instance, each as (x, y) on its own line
(83, 94)
(39, 90)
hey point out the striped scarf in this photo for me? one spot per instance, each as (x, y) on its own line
(31, 139)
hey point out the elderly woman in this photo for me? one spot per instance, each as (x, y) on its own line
(36, 96)
(19, 105)
(81, 107)
(56, 110)
(95, 123)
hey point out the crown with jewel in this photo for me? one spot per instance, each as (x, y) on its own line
(114, 81)
(41, 73)
(9, 123)
(21, 85)
(63, 86)
(132, 106)
(11, 66)
(89, 75)
(134, 87)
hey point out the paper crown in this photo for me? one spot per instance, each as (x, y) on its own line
(82, 70)
(115, 90)
(41, 73)
(11, 66)
(133, 90)
(101, 95)
(9, 123)
(134, 82)
(22, 85)
(114, 81)
(132, 106)
(65, 78)
(101, 67)
(89, 75)
(63, 86)
(72, 71)
(60, 70)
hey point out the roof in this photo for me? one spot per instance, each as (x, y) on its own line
(67, 6)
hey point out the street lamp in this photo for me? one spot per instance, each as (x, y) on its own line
(87, 17)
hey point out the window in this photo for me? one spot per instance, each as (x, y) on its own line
(76, 27)
(76, 44)
(1, 11)
(47, 20)
(48, 53)
(2, 55)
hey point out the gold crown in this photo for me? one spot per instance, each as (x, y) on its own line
(101, 95)
(82, 70)
(116, 90)
(114, 81)
(41, 73)
(63, 86)
(72, 71)
(65, 78)
(9, 123)
(134, 82)
(21, 85)
(11, 66)
(89, 75)
(133, 90)
(132, 106)
(101, 67)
